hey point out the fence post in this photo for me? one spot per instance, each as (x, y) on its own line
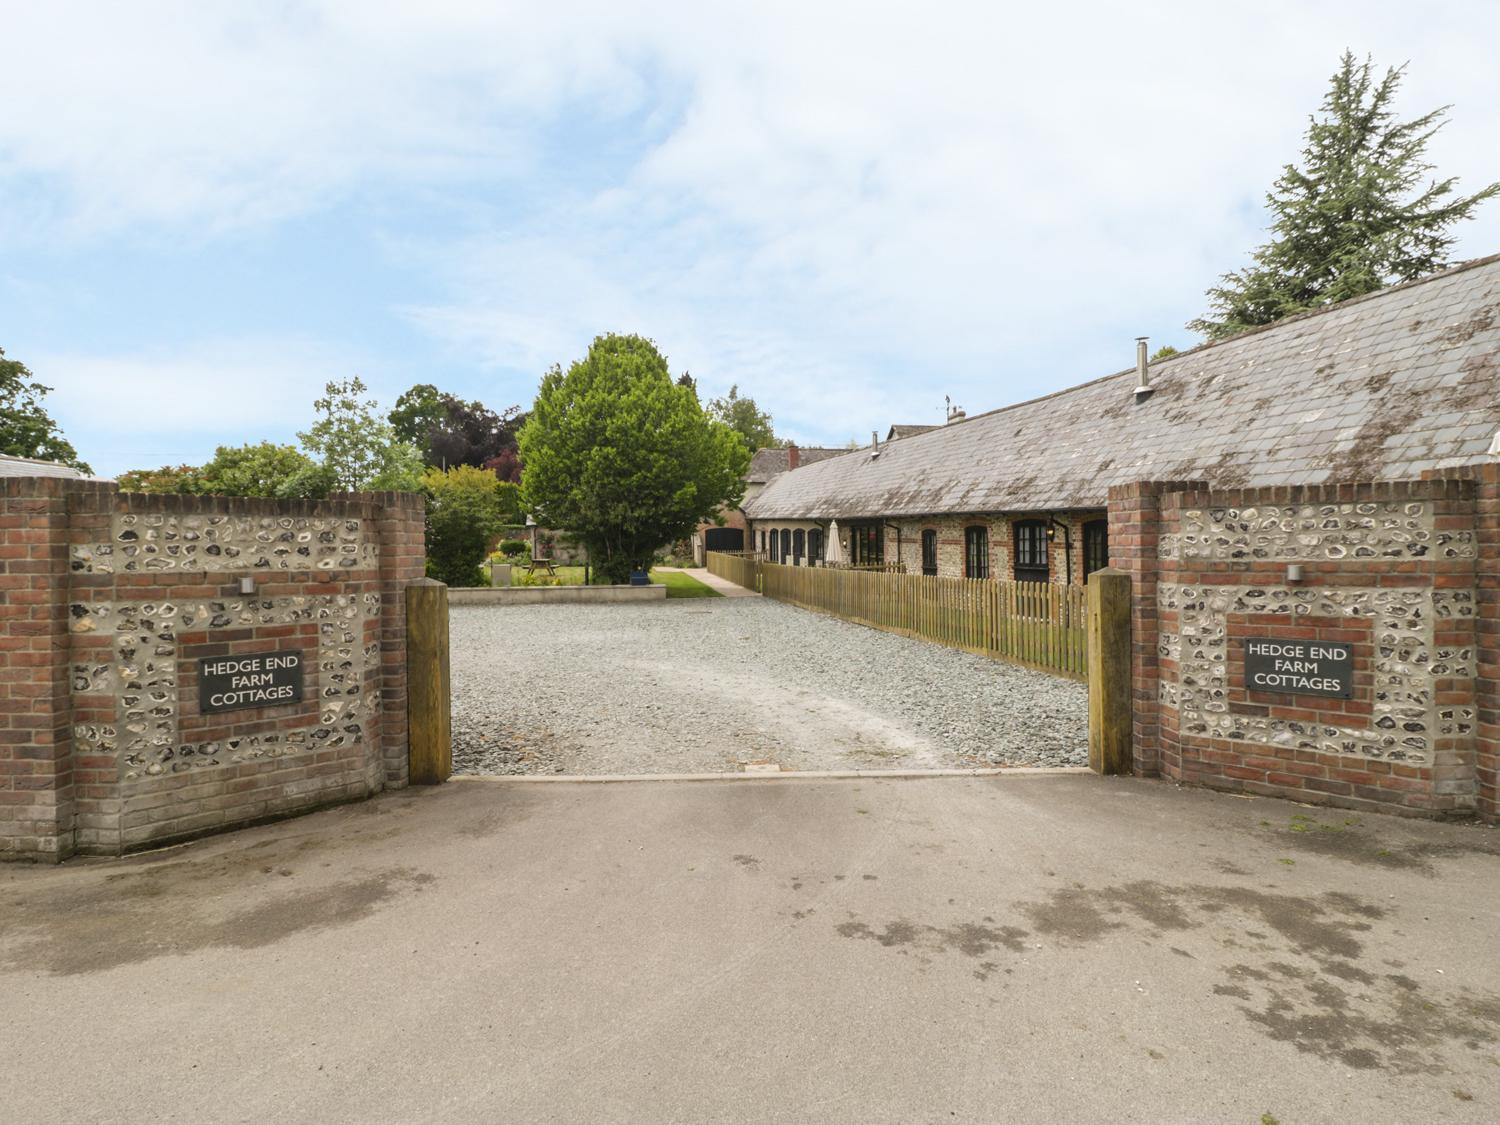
(428, 705)
(1109, 671)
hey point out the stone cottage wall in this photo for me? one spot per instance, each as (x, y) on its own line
(126, 593)
(1399, 571)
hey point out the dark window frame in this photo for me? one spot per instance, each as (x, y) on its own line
(815, 546)
(929, 552)
(799, 546)
(1030, 562)
(977, 551)
(1095, 546)
(866, 544)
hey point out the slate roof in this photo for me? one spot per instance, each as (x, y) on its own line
(1379, 387)
(30, 467)
(768, 462)
(896, 433)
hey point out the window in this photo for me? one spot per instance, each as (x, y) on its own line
(1031, 551)
(775, 544)
(799, 544)
(762, 542)
(814, 546)
(929, 553)
(1095, 547)
(866, 545)
(786, 546)
(976, 552)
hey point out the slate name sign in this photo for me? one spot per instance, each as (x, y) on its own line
(266, 679)
(1300, 667)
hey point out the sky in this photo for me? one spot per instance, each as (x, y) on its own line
(208, 210)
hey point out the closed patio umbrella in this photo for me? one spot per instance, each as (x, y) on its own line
(833, 550)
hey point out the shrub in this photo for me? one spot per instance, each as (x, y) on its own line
(513, 547)
(466, 509)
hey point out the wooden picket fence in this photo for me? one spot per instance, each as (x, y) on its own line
(1039, 624)
(740, 567)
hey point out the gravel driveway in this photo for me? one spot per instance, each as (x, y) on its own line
(715, 685)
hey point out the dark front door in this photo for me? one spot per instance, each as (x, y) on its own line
(724, 539)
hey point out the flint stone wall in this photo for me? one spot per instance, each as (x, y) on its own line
(138, 590)
(1402, 573)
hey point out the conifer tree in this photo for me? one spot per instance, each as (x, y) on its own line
(1355, 217)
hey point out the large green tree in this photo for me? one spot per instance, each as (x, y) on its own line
(358, 446)
(745, 418)
(1355, 217)
(26, 429)
(623, 457)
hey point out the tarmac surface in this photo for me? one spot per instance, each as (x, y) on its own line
(1016, 948)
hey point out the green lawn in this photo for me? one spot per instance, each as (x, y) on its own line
(681, 585)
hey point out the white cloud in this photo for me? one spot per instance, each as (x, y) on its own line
(850, 209)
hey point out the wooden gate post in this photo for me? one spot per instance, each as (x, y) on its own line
(428, 705)
(1110, 719)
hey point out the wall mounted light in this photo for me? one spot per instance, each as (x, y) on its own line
(247, 585)
(1294, 572)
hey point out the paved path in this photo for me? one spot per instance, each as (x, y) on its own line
(723, 585)
(1032, 949)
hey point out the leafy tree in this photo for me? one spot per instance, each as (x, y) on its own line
(450, 431)
(472, 433)
(745, 418)
(416, 412)
(506, 466)
(1166, 351)
(26, 429)
(686, 380)
(467, 509)
(168, 478)
(359, 448)
(265, 469)
(1355, 218)
(623, 457)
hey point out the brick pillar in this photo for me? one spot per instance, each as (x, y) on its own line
(36, 769)
(1487, 639)
(403, 559)
(1134, 532)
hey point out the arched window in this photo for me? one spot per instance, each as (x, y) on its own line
(775, 544)
(786, 546)
(976, 552)
(799, 545)
(1031, 551)
(929, 553)
(1095, 546)
(814, 546)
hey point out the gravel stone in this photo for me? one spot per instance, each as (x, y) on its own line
(707, 686)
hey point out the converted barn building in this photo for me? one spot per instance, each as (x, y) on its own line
(1383, 387)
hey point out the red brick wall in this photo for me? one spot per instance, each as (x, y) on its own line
(36, 769)
(121, 755)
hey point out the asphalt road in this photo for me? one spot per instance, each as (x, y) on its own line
(1043, 948)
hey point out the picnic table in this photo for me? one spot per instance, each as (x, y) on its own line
(535, 564)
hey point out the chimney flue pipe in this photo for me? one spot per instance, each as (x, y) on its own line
(1143, 386)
